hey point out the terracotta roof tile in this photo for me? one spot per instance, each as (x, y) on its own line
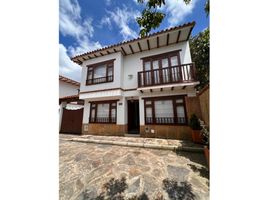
(70, 97)
(68, 80)
(136, 39)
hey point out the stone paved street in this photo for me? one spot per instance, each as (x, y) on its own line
(99, 171)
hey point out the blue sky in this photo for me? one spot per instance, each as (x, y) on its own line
(86, 25)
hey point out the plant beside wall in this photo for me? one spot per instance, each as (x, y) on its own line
(205, 136)
(196, 129)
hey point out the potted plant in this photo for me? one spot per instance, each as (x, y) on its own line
(196, 129)
(205, 136)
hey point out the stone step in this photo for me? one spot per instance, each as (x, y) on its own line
(141, 144)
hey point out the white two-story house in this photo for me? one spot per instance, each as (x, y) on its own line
(144, 86)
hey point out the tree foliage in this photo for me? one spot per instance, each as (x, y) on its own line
(200, 55)
(151, 17)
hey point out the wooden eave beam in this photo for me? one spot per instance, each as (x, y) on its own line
(161, 89)
(172, 88)
(183, 87)
(131, 49)
(115, 50)
(167, 39)
(139, 45)
(95, 55)
(151, 90)
(108, 52)
(157, 42)
(188, 36)
(79, 60)
(141, 91)
(148, 44)
(123, 51)
(101, 54)
(178, 37)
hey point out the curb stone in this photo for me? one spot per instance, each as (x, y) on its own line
(140, 145)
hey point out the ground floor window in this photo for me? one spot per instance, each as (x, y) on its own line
(165, 110)
(103, 112)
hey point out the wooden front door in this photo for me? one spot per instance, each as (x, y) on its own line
(133, 117)
(72, 121)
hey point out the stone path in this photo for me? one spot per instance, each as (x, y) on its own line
(154, 143)
(98, 171)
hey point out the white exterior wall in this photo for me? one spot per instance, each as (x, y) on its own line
(67, 89)
(86, 112)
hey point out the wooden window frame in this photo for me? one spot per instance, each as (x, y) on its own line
(91, 69)
(95, 103)
(175, 105)
(159, 57)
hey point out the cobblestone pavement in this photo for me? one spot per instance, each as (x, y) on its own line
(99, 171)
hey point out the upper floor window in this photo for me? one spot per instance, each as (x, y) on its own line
(170, 59)
(100, 73)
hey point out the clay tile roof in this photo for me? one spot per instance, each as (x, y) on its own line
(70, 97)
(68, 80)
(75, 58)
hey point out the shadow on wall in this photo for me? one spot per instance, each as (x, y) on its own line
(114, 190)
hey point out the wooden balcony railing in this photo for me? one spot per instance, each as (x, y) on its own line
(177, 74)
(104, 79)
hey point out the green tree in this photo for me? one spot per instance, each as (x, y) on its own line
(151, 17)
(200, 55)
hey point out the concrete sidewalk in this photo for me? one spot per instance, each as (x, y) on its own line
(151, 143)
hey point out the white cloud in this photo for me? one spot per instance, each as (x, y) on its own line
(72, 24)
(122, 18)
(84, 46)
(70, 18)
(106, 21)
(67, 67)
(177, 10)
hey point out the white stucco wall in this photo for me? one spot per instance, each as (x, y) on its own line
(67, 89)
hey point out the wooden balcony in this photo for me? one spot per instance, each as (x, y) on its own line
(177, 74)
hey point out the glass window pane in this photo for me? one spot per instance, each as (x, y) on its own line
(155, 64)
(110, 71)
(149, 112)
(92, 114)
(100, 71)
(164, 63)
(113, 112)
(103, 110)
(164, 108)
(147, 65)
(90, 75)
(181, 114)
(174, 61)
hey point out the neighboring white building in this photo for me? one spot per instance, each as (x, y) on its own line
(68, 87)
(142, 86)
(70, 105)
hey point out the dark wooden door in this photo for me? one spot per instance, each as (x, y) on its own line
(72, 121)
(133, 117)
